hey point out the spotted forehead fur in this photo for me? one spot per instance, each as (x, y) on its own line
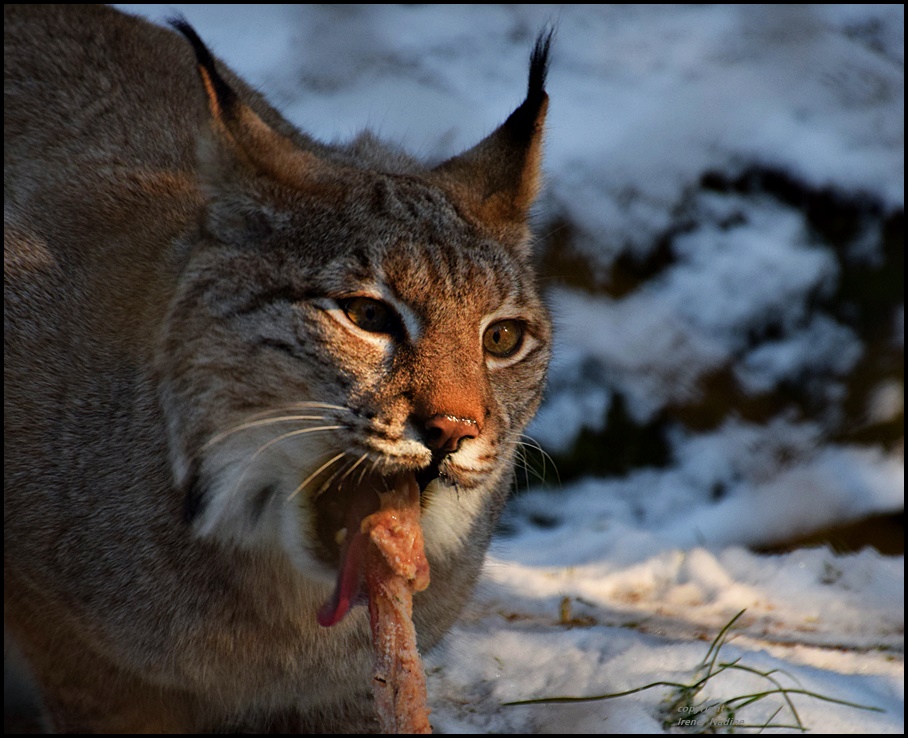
(407, 233)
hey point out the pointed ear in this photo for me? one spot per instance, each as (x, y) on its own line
(499, 178)
(241, 148)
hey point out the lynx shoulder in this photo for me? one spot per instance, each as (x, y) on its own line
(222, 338)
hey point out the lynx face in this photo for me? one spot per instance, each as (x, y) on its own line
(349, 352)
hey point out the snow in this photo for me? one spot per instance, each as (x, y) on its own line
(609, 584)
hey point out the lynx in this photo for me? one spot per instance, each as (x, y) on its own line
(221, 338)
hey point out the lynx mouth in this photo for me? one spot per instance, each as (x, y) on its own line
(339, 512)
(426, 476)
(349, 501)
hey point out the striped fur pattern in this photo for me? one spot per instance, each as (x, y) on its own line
(216, 328)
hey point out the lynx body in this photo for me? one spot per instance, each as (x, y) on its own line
(217, 332)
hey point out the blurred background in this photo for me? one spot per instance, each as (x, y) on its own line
(721, 236)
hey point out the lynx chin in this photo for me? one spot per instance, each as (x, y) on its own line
(222, 340)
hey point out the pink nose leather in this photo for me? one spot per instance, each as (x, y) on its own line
(445, 432)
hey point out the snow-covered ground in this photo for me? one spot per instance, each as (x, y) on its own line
(605, 584)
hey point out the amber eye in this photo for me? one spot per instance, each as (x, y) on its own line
(502, 339)
(370, 315)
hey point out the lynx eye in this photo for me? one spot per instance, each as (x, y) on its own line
(371, 315)
(503, 339)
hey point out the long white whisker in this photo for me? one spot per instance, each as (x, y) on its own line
(255, 424)
(349, 471)
(532, 443)
(520, 462)
(294, 407)
(291, 434)
(327, 483)
(303, 404)
(525, 464)
(535, 444)
(374, 464)
(315, 474)
(362, 475)
(280, 438)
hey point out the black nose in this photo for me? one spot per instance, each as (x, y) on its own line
(445, 432)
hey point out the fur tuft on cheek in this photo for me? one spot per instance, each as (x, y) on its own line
(245, 492)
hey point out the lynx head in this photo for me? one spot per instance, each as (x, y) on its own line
(348, 315)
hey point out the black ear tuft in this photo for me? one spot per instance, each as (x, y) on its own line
(499, 178)
(222, 98)
(539, 64)
(523, 124)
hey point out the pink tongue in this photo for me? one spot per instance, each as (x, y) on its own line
(349, 582)
(350, 578)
